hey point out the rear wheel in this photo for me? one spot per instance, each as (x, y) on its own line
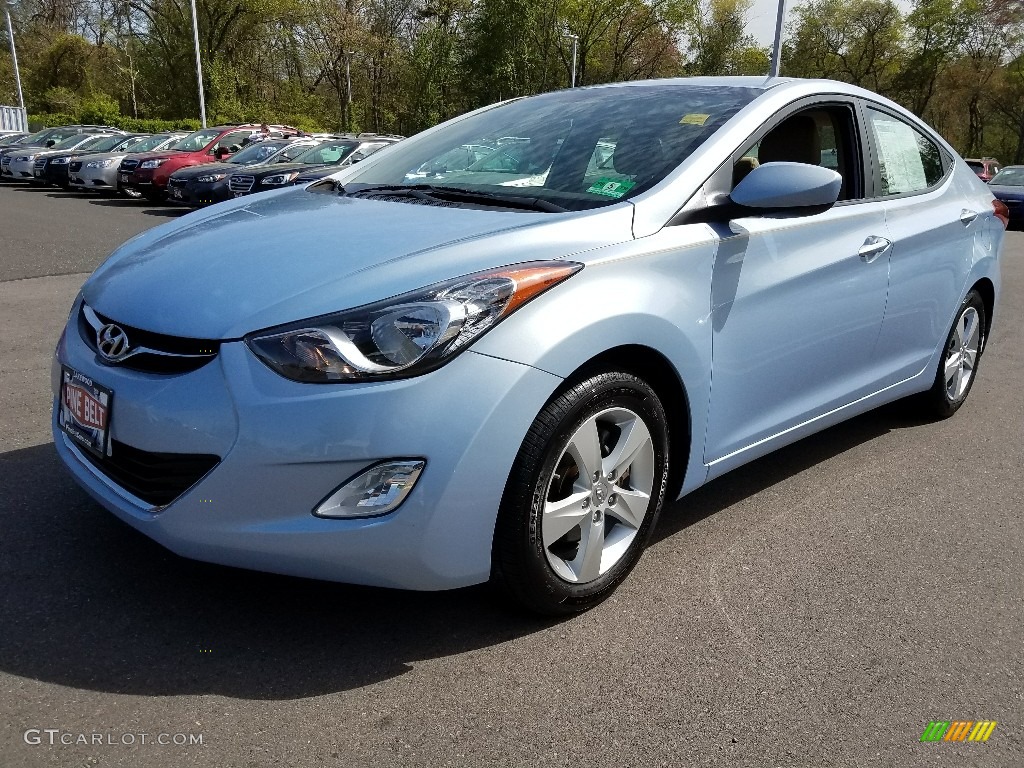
(583, 495)
(958, 365)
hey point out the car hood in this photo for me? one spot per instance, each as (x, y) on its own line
(1013, 193)
(270, 170)
(105, 155)
(318, 172)
(192, 171)
(290, 254)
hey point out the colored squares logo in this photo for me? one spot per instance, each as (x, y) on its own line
(958, 730)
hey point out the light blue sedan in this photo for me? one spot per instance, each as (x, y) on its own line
(428, 384)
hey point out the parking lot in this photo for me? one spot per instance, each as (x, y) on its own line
(818, 607)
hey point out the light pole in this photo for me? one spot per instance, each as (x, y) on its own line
(348, 85)
(777, 50)
(575, 40)
(199, 65)
(8, 4)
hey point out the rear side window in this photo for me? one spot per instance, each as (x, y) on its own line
(908, 161)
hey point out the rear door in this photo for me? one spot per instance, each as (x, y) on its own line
(932, 229)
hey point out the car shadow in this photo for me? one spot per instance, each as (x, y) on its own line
(140, 205)
(90, 603)
(780, 465)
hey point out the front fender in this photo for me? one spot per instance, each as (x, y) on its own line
(654, 293)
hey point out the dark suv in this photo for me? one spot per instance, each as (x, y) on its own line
(319, 161)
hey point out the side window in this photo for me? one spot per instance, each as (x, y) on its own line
(822, 135)
(907, 160)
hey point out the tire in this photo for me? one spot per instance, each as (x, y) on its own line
(540, 558)
(958, 365)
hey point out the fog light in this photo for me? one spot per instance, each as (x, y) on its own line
(375, 491)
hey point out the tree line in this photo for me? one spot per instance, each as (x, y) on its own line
(400, 66)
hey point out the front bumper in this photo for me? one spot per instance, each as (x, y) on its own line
(285, 446)
(23, 170)
(200, 195)
(95, 178)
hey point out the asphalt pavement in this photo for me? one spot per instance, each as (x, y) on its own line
(818, 607)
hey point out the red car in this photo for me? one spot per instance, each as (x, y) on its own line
(148, 172)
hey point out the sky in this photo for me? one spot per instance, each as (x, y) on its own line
(764, 12)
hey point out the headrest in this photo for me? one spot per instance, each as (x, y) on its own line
(794, 140)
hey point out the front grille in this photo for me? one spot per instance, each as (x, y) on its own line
(39, 164)
(241, 184)
(162, 353)
(75, 166)
(173, 182)
(156, 478)
(5, 161)
(128, 165)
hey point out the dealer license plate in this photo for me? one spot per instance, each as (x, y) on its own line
(85, 411)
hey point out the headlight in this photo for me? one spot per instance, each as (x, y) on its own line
(279, 178)
(25, 158)
(99, 164)
(153, 163)
(59, 161)
(406, 335)
(210, 178)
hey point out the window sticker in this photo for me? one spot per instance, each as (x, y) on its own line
(611, 187)
(694, 119)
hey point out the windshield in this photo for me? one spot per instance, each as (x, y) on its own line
(151, 143)
(289, 153)
(196, 141)
(129, 142)
(577, 149)
(73, 142)
(102, 143)
(1009, 177)
(328, 153)
(257, 153)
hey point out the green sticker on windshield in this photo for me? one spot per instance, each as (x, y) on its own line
(611, 187)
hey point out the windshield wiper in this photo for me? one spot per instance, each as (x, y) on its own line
(461, 195)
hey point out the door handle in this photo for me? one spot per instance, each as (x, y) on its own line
(967, 217)
(873, 248)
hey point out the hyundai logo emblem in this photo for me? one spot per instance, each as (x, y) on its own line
(112, 342)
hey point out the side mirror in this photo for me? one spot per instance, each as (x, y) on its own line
(219, 153)
(794, 188)
(788, 186)
(50, 143)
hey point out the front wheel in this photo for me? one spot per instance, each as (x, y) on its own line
(958, 366)
(583, 495)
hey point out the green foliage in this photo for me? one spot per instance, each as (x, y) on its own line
(409, 64)
(100, 109)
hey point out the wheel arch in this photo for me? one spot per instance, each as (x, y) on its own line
(654, 368)
(987, 290)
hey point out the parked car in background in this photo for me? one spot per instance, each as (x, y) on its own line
(9, 139)
(21, 165)
(98, 172)
(1008, 186)
(984, 168)
(327, 157)
(149, 176)
(53, 168)
(206, 184)
(432, 385)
